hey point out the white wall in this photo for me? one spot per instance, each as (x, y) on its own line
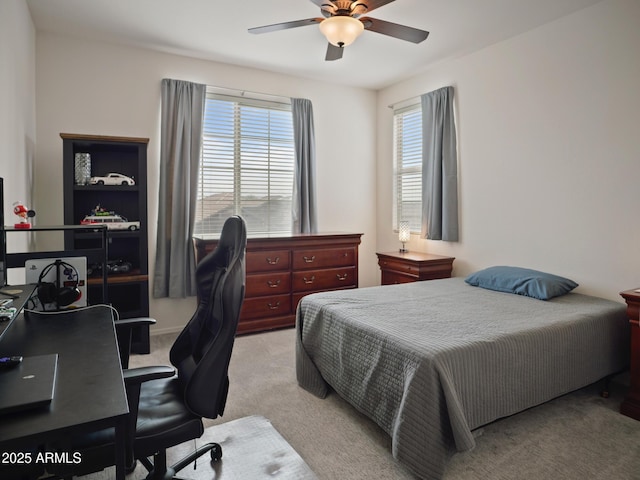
(98, 88)
(547, 125)
(17, 111)
(549, 150)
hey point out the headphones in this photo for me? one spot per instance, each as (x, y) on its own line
(64, 291)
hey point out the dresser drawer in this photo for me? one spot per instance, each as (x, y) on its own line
(398, 266)
(392, 278)
(263, 307)
(276, 283)
(328, 279)
(417, 272)
(321, 258)
(267, 260)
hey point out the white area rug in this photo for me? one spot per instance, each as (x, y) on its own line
(251, 449)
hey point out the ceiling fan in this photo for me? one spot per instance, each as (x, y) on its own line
(343, 24)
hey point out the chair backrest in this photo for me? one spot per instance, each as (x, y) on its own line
(202, 351)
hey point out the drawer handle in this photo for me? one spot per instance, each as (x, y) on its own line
(272, 306)
(273, 261)
(309, 259)
(308, 281)
(342, 277)
(273, 284)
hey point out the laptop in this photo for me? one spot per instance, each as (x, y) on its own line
(29, 385)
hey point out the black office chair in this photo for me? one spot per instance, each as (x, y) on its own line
(170, 410)
(166, 409)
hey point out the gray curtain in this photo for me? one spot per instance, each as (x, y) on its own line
(304, 214)
(439, 167)
(180, 143)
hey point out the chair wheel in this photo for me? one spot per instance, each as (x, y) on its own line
(216, 453)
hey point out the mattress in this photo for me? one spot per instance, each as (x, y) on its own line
(429, 362)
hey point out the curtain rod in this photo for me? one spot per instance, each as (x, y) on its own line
(406, 100)
(242, 93)
(414, 98)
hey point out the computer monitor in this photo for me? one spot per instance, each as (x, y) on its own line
(3, 247)
(5, 322)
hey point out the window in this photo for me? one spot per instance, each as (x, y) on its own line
(407, 135)
(246, 166)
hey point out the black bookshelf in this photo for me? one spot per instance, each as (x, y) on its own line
(127, 292)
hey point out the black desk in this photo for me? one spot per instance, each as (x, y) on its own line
(89, 392)
(18, 302)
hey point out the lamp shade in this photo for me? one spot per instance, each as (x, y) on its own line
(404, 232)
(341, 30)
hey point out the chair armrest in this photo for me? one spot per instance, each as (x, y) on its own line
(133, 380)
(124, 329)
(134, 322)
(139, 375)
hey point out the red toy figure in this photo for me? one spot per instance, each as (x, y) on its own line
(24, 213)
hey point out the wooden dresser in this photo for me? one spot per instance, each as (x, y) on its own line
(405, 267)
(282, 270)
(631, 404)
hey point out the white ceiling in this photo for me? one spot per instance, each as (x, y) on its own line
(217, 30)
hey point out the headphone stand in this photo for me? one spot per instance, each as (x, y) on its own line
(58, 264)
(59, 293)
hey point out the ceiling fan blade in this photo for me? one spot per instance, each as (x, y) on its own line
(366, 6)
(322, 3)
(285, 25)
(402, 32)
(333, 52)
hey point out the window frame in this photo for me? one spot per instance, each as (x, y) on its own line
(242, 147)
(407, 162)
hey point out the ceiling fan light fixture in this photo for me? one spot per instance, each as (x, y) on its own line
(341, 30)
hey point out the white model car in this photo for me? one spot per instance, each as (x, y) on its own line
(113, 222)
(112, 179)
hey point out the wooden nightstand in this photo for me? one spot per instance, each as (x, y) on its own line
(408, 267)
(631, 404)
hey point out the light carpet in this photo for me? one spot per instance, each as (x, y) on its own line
(579, 436)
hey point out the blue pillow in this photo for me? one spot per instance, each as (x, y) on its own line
(522, 281)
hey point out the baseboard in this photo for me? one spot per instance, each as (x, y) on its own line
(164, 331)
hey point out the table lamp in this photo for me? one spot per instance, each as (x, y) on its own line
(404, 234)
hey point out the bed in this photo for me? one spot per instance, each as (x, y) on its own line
(432, 361)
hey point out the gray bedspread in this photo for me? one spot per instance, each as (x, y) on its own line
(431, 361)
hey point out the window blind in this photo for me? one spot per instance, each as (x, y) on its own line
(246, 166)
(407, 134)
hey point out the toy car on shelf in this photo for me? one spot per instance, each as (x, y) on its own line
(113, 266)
(112, 179)
(112, 220)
